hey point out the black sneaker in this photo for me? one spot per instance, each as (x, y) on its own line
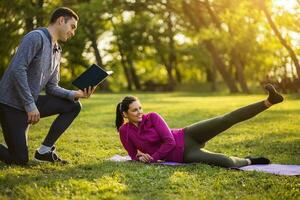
(50, 156)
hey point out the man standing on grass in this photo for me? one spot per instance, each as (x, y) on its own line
(34, 67)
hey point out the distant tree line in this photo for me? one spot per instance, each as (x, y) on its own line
(162, 44)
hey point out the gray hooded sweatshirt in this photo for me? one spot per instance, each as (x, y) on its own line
(35, 66)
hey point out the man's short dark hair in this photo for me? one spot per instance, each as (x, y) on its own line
(67, 13)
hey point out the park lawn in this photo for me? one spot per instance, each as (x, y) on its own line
(92, 139)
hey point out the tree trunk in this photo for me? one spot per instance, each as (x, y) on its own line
(123, 61)
(211, 77)
(172, 52)
(240, 72)
(178, 73)
(281, 39)
(221, 67)
(39, 13)
(125, 68)
(214, 79)
(29, 26)
(96, 52)
(171, 81)
(135, 78)
(234, 55)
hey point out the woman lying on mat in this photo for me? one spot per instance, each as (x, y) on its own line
(147, 137)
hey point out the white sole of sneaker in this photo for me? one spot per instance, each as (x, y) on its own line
(41, 161)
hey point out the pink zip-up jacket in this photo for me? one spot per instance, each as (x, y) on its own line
(154, 137)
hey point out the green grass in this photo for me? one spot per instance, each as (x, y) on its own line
(92, 139)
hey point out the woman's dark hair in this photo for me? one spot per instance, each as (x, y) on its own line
(123, 106)
(67, 13)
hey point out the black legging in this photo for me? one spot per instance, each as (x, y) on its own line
(196, 135)
(14, 126)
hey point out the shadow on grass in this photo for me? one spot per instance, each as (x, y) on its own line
(140, 179)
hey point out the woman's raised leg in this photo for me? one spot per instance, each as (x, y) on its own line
(205, 130)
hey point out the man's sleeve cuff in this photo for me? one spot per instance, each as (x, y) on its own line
(30, 107)
(71, 96)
